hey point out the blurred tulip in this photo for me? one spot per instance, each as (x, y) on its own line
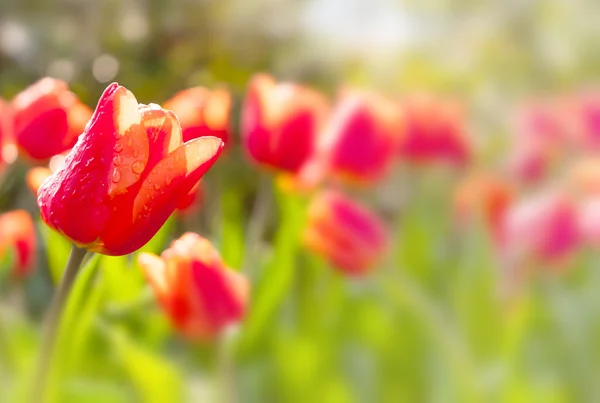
(484, 194)
(543, 228)
(360, 142)
(125, 176)
(47, 119)
(344, 232)
(540, 140)
(199, 294)
(202, 112)
(37, 175)
(280, 123)
(18, 232)
(435, 132)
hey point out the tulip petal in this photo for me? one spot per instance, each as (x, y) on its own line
(131, 146)
(163, 131)
(160, 192)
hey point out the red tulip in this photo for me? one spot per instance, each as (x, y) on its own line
(47, 119)
(482, 193)
(199, 294)
(435, 132)
(361, 138)
(17, 232)
(280, 123)
(202, 112)
(344, 232)
(125, 176)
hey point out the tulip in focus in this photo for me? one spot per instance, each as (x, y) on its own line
(345, 233)
(435, 132)
(483, 194)
(202, 112)
(199, 294)
(280, 123)
(125, 176)
(17, 232)
(543, 229)
(360, 141)
(47, 119)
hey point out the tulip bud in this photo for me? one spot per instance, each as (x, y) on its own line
(17, 232)
(202, 112)
(360, 141)
(280, 123)
(345, 233)
(47, 119)
(125, 176)
(199, 294)
(435, 132)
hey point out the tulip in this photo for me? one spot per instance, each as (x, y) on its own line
(37, 175)
(202, 112)
(484, 194)
(435, 132)
(344, 232)
(280, 123)
(543, 228)
(198, 293)
(47, 119)
(17, 232)
(360, 141)
(125, 176)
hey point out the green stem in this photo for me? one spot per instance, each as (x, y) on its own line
(52, 323)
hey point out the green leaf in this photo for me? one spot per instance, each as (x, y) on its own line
(57, 250)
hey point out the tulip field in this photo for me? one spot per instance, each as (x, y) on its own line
(196, 222)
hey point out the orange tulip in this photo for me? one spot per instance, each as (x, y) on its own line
(435, 132)
(47, 119)
(202, 112)
(360, 141)
(17, 232)
(199, 294)
(280, 123)
(125, 176)
(344, 232)
(483, 193)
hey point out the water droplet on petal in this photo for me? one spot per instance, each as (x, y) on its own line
(138, 167)
(135, 153)
(118, 160)
(156, 186)
(118, 147)
(168, 180)
(116, 176)
(129, 141)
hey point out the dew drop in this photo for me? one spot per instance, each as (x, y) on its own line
(138, 167)
(129, 141)
(156, 186)
(116, 176)
(168, 180)
(118, 160)
(118, 147)
(135, 153)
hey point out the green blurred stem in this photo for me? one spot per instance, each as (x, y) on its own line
(225, 369)
(52, 323)
(258, 220)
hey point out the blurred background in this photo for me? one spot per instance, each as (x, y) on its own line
(441, 318)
